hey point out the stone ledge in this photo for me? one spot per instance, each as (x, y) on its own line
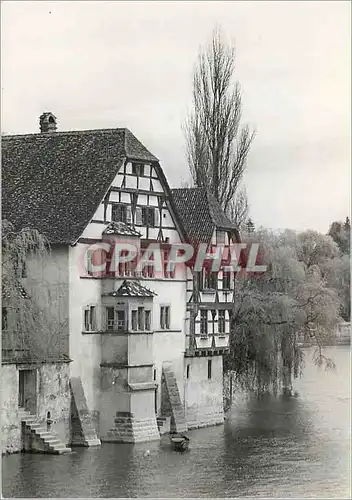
(143, 386)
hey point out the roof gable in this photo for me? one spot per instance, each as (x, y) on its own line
(200, 213)
(54, 181)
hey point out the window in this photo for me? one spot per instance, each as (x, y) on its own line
(140, 318)
(138, 216)
(204, 322)
(148, 216)
(165, 317)
(221, 328)
(213, 316)
(119, 212)
(110, 318)
(137, 169)
(147, 316)
(226, 280)
(124, 268)
(148, 269)
(90, 323)
(121, 320)
(210, 280)
(4, 322)
(209, 369)
(220, 237)
(134, 320)
(89, 262)
(167, 273)
(188, 370)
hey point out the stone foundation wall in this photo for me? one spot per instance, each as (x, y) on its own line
(203, 395)
(129, 429)
(11, 432)
(54, 397)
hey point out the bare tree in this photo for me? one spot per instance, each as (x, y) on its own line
(217, 144)
(239, 208)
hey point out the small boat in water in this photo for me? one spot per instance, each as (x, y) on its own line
(179, 442)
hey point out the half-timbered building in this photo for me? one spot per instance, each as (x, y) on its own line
(145, 345)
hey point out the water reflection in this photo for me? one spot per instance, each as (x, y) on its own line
(286, 447)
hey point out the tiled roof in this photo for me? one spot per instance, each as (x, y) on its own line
(55, 181)
(200, 213)
(132, 289)
(121, 228)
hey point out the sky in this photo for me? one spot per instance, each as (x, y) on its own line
(129, 64)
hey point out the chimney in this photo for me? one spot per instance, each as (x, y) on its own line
(47, 122)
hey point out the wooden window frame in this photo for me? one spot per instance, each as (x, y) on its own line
(134, 320)
(147, 320)
(148, 216)
(140, 319)
(226, 279)
(90, 319)
(165, 317)
(123, 210)
(138, 169)
(222, 322)
(203, 322)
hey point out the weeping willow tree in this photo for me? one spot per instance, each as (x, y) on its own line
(30, 329)
(276, 312)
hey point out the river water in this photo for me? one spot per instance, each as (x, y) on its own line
(297, 447)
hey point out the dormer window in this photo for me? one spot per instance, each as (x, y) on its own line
(137, 169)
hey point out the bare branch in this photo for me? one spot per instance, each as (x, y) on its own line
(217, 145)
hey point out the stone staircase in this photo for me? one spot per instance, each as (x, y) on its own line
(83, 431)
(178, 420)
(37, 438)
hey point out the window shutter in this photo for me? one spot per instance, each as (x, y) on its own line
(128, 215)
(138, 216)
(167, 317)
(157, 217)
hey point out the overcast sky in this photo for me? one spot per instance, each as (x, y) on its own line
(129, 64)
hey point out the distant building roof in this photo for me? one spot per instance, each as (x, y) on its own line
(131, 289)
(200, 213)
(55, 181)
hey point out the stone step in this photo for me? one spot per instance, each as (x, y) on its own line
(29, 420)
(93, 442)
(38, 430)
(62, 451)
(52, 441)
